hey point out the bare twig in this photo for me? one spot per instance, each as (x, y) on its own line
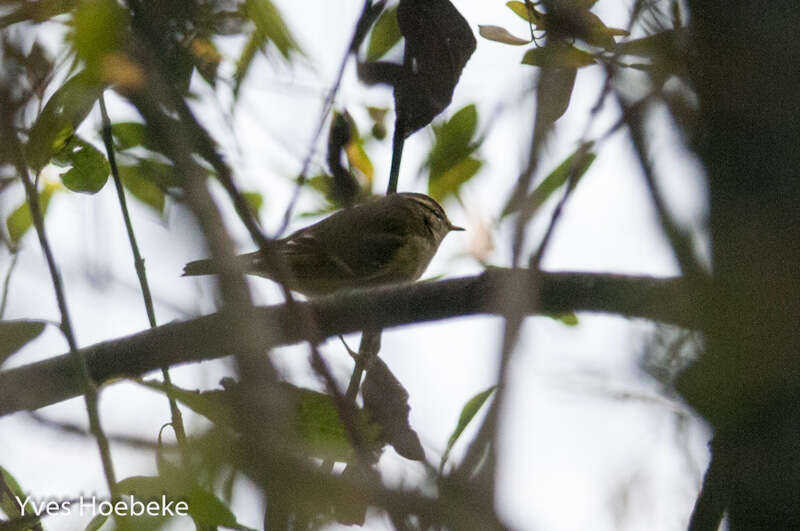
(359, 32)
(138, 262)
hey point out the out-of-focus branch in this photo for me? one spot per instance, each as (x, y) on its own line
(46, 382)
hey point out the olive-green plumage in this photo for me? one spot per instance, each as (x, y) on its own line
(385, 240)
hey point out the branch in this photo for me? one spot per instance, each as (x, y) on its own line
(209, 337)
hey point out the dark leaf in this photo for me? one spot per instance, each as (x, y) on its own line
(553, 92)
(438, 44)
(16, 334)
(558, 56)
(386, 404)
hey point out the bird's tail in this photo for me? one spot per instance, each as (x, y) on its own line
(244, 263)
(200, 267)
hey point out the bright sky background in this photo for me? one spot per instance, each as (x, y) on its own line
(589, 442)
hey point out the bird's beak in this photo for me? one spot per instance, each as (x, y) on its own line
(453, 227)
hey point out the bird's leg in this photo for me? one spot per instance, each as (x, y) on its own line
(367, 351)
(397, 152)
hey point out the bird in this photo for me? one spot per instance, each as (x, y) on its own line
(386, 240)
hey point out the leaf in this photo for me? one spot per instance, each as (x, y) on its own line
(558, 56)
(269, 22)
(99, 30)
(449, 182)
(142, 187)
(254, 43)
(89, 171)
(553, 93)
(453, 140)
(318, 425)
(498, 34)
(439, 42)
(254, 200)
(64, 112)
(568, 319)
(206, 58)
(19, 221)
(129, 135)
(385, 35)
(577, 163)
(214, 405)
(386, 403)
(359, 159)
(468, 412)
(16, 334)
(521, 10)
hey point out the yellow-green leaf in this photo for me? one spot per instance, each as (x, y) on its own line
(468, 412)
(20, 220)
(385, 35)
(558, 56)
(89, 171)
(359, 159)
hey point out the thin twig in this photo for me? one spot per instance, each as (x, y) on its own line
(87, 385)
(138, 262)
(355, 41)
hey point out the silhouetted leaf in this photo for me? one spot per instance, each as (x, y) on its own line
(16, 334)
(438, 44)
(558, 56)
(386, 403)
(385, 35)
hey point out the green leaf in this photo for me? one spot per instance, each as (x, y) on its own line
(558, 56)
(99, 32)
(64, 112)
(254, 200)
(385, 35)
(568, 319)
(130, 134)
(20, 220)
(318, 425)
(577, 163)
(453, 140)
(498, 34)
(521, 10)
(269, 22)
(16, 334)
(449, 182)
(254, 43)
(468, 412)
(89, 171)
(141, 187)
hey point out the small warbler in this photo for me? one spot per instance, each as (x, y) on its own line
(382, 241)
